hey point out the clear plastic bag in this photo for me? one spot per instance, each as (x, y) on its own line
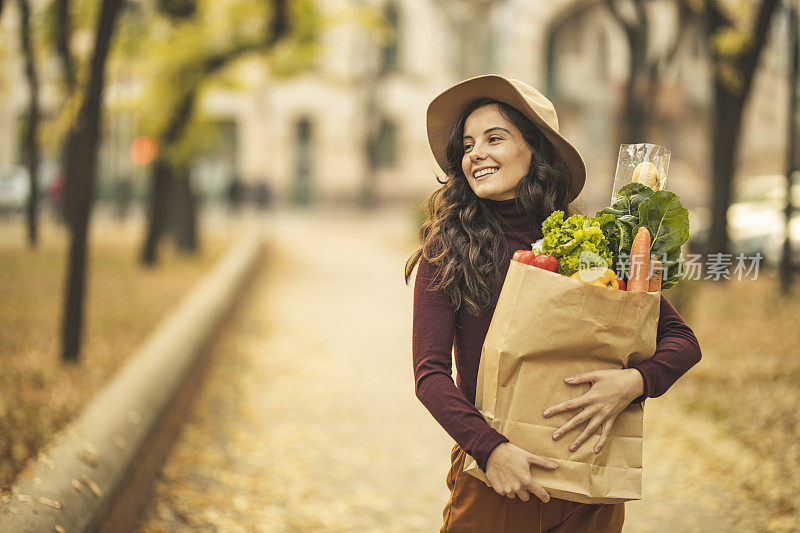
(644, 162)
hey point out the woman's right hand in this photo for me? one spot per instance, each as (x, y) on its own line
(509, 472)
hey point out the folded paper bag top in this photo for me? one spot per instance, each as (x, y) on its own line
(579, 328)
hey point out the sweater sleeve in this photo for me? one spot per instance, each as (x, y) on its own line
(432, 343)
(677, 350)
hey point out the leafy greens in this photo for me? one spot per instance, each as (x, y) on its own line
(662, 214)
(579, 240)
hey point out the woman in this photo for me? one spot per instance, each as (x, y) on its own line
(507, 169)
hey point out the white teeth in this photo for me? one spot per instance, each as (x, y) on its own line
(484, 172)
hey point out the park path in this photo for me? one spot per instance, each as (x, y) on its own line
(308, 419)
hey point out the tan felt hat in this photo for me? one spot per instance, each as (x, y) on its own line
(444, 110)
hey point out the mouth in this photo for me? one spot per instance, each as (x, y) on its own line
(481, 172)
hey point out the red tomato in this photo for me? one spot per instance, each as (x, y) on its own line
(524, 256)
(621, 282)
(546, 262)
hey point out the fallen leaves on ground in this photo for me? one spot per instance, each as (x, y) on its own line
(124, 302)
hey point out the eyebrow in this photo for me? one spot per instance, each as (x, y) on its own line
(487, 131)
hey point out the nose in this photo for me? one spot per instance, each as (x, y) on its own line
(477, 155)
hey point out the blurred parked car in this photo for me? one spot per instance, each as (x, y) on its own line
(756, 220)
(15, 186)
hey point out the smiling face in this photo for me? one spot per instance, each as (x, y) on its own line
(496, 156)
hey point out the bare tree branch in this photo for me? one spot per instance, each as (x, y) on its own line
(279, 23)
(685, 17)
(63, 33)
(279, 27)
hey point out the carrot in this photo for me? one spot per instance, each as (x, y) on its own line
(658, 273)
(639, 269)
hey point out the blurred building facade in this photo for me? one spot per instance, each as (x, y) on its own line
(353, 129)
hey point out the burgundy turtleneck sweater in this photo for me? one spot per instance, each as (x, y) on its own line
(439, 333)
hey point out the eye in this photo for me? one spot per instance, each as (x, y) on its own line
(467, 147)
(495, 138)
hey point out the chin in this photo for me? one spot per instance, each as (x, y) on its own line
(490, 194)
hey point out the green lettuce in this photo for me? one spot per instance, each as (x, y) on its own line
(579, 240)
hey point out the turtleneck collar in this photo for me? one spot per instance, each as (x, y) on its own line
(512, 214)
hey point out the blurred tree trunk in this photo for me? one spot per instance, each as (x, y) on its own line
(787, 265)
(640, 83)
(645, 67)
(162, 176)
(184, 214)
(732, 80)
(184, 220)
(161, 191)
(160, 179)
(62, 32)
(81, 161)
(30, 138)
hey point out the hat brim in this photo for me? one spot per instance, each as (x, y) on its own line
(445, 109)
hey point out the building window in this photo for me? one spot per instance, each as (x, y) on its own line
(390, 52)
(303, 168)
(572, 36)
(697, 44)
(492, 45)
(602, 53)
(386, 145)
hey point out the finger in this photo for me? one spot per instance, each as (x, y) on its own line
(542, 461)
(524, 495)
(569, 405)
(604, 433)
(585, 434)
(586, 377)
(574, 422)
(539, 491)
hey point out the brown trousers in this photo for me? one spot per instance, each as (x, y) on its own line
(475, 508)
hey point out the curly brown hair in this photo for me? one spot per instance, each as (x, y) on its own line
(462, 236)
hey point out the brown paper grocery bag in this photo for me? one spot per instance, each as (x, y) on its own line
(545, 328)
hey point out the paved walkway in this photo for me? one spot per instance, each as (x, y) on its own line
(308, 420)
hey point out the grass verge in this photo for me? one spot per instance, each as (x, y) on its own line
(748, 383)
(124, 302)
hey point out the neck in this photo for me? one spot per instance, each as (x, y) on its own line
(513, 219)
